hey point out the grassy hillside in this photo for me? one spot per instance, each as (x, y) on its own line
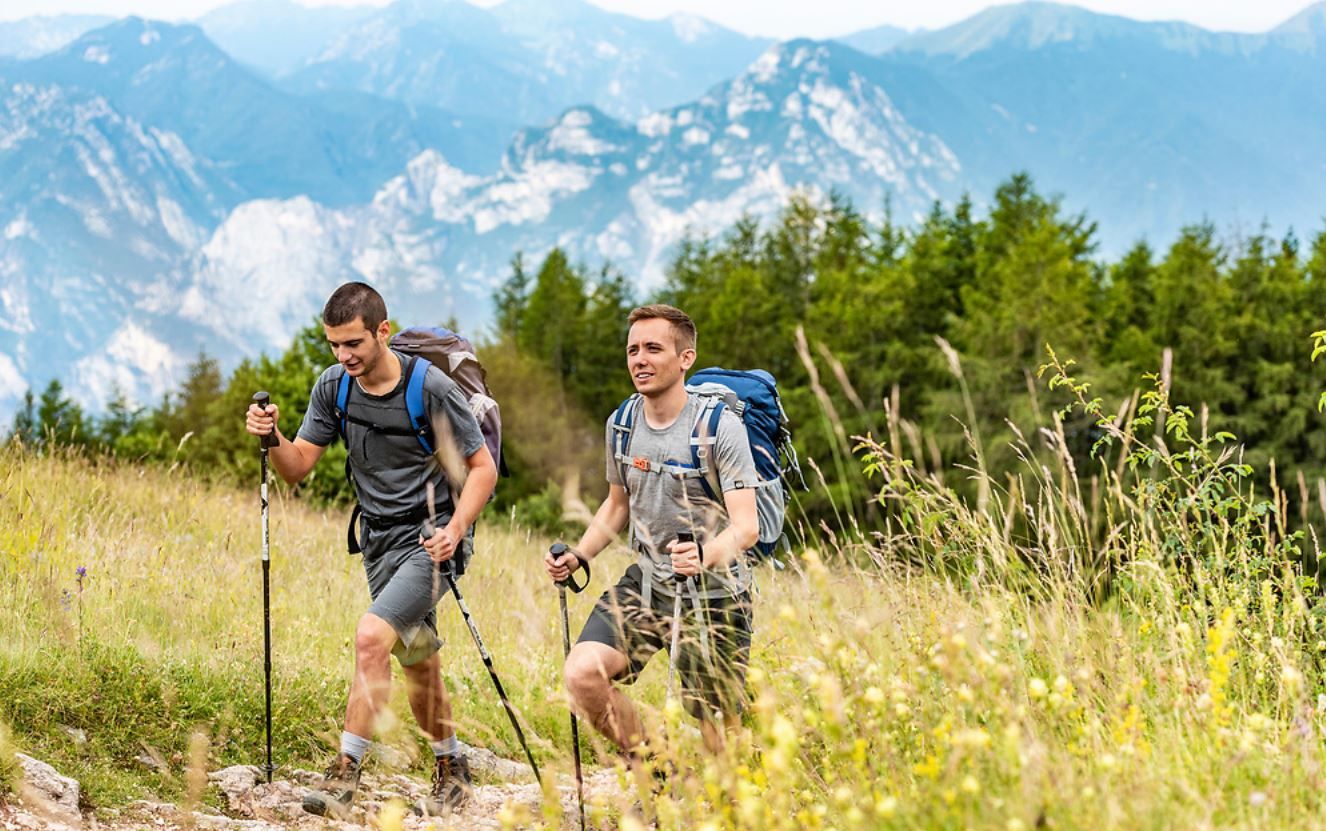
(1136, 656)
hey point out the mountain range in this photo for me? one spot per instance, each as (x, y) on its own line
(166, 189)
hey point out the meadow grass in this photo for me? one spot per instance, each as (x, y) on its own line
(1141, 653)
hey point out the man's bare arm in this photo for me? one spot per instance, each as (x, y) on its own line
(742, 532)
(291, 459)
(609, 521)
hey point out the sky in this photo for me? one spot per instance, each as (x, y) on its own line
(771, 18)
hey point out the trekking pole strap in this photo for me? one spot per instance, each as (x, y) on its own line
(558, 549)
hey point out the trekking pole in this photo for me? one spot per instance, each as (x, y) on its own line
(449, 574)
(679, 580)
(557, 550)
(270, 440)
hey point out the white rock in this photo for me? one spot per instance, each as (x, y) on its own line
(483, 760)
(48, 790)
(235, 780)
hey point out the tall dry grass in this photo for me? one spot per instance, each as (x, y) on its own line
(1131, 646)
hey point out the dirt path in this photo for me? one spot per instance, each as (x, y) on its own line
(254, 805)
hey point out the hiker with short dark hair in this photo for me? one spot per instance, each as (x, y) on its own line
(392, 470)
(650, 493)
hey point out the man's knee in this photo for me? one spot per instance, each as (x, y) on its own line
(588, 673)
(374, 638)
(426, 673)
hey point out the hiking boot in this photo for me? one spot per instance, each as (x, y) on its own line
(660, 776)
(637, 812)
(333, 796)
(451, 786)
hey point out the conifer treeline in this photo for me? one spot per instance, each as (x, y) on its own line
(872, 302)
(874, 299)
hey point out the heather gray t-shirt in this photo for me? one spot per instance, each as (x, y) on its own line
(391, 471)
(662, 504)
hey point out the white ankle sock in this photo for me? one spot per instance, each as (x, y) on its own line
(356, 747)
(446, 747)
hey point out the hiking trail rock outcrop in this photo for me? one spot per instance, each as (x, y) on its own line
(49, 800)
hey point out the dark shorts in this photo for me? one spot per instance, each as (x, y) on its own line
(405, 586)
(712, 669)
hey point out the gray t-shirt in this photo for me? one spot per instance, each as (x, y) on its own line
(391, 471)
(663, 504)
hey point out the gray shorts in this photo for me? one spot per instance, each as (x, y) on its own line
(405, 585)
(712, 668)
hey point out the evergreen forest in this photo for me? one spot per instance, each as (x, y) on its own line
(930, 337)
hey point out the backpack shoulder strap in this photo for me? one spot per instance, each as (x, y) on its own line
(704, 436)
(342, 401)
(415, 370)
(623, 420)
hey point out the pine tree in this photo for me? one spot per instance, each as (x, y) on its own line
(511, 299)
(25, 421)
(60, 421)
(554, 314)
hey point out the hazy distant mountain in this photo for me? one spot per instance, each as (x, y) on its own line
(33, 36)
(269, 142)
(876, 40)
(440, 52)
(93, 205)
(1039, 25)
(157, 196)
(277, 36)
(527, 59)
(623, 65)
(802, 116)
(121, 154)
(1305, 31)
(805, 115)
(1146, 125)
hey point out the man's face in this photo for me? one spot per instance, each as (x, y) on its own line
(651, 357)
(356, 347)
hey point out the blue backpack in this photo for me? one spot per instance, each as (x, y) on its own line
(753, 396)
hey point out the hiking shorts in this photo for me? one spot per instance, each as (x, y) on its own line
(405, 586)
(712, 669)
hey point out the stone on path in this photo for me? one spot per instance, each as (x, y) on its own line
(47, 791)
(251, 804)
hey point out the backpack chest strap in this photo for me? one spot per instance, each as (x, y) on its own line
(416, 368)
(704, 434)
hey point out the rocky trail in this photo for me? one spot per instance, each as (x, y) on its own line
(49, 801)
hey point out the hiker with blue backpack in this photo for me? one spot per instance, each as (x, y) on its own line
(683, 480)
(396, 413)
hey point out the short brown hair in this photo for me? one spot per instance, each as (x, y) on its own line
(354, 300)
(683, 328)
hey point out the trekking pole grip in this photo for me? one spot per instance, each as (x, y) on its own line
(262, 399)
(560, 548)
(682, 536)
